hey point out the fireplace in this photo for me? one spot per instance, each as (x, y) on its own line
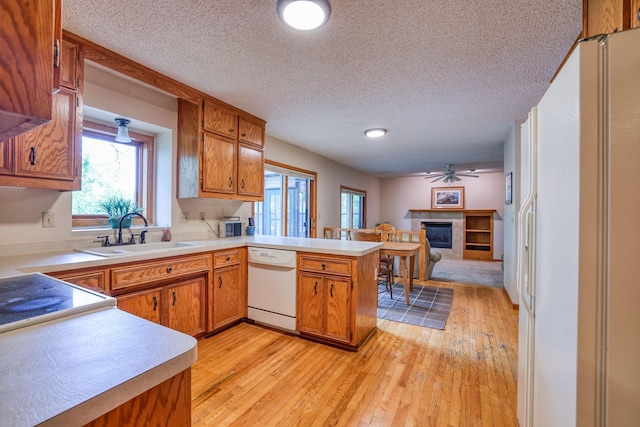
(439, 234)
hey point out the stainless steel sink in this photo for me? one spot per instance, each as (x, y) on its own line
(114, 251)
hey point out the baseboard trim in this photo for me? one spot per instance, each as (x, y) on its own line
(506, 294)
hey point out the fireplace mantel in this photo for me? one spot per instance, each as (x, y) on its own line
(453, 210)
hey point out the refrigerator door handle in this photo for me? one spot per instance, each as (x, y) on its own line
(531, 233)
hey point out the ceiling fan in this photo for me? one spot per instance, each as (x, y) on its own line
(449, 175)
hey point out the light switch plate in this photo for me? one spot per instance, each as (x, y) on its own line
(48, 220)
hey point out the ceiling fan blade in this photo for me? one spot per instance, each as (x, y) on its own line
(455, 177)
(438, 179)
(468, 175)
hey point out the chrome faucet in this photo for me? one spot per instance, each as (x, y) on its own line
(146, 224)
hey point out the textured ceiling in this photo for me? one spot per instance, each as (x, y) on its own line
(446, 77)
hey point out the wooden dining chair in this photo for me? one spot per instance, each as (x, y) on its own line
(384, 269)
(388, 233)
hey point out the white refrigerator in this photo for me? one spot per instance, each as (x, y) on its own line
(579, 243)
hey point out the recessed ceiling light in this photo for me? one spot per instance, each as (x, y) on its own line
(375, 133)
(304, 15)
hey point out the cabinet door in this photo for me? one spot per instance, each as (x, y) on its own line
(185, 302)
(145, 304)
(250, 171)
(26, 61)
(5, 157)
(228, 297)
(48, 151)
(337, 314)
(218, 119)
(251, 132)
(218, 165)
(310, 312)
(68, 68)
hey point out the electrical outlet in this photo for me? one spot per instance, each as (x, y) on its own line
(202, 219)
(184, 216)
(48, 220)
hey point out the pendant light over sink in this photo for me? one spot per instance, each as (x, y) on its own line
(304, 15)
(123, 131)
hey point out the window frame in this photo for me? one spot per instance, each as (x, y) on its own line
(352, 191)
(285, 196)
(144, 177)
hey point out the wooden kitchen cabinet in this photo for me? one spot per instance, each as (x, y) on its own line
(50, 155)
(337, 297)
(170, 291)
(29, 31)
(250, 171)
(325, 306)
(178, 306)
(219, 165)
(220, 152)
(96, 280)
(145, 304)
(228, 291)
(609, 16)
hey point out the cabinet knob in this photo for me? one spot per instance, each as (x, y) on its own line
(169, 269)
(324, 266)
(230, 130)
(228, 258)
(244, 135)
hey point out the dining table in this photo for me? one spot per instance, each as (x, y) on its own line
(407, 252)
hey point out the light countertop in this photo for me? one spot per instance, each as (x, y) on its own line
(60, 261)
(72, 370)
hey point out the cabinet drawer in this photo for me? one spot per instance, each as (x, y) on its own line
(223, 259)
(341, 266)
(95, 280)
(149, 272)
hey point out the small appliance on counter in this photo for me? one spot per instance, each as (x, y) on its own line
(230, 226)
(34, 298)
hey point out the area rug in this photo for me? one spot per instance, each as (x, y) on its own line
(483, 273)
(428, 306)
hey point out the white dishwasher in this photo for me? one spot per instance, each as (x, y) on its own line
(272, 287)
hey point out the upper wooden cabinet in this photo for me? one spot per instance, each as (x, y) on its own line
(219, 120)
(50, 155)
(29, 31)
(609, 16)
(220, 152)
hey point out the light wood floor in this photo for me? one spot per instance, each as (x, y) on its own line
(404, 375)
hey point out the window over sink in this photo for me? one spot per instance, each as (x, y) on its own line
(113, 168)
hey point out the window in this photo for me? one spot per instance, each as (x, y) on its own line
(113, 168)
(352, 208)
(290, 212)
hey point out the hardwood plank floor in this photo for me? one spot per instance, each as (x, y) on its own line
(403, 376)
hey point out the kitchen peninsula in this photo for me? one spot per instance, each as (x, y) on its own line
(73, 371)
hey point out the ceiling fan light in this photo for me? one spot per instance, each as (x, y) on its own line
(375, 132)
(304, 15)
(123, 131)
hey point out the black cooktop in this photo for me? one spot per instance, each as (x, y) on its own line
(32, 298)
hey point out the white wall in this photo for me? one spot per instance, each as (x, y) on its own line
(331, 176)
(414, 192)
(511, 164)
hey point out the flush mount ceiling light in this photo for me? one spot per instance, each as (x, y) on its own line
(123, 131)
(375, 133)
(304, 15)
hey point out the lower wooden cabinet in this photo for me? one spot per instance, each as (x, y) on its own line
(228, 290)
(179, 306)
(337, 297)
(324, 306)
